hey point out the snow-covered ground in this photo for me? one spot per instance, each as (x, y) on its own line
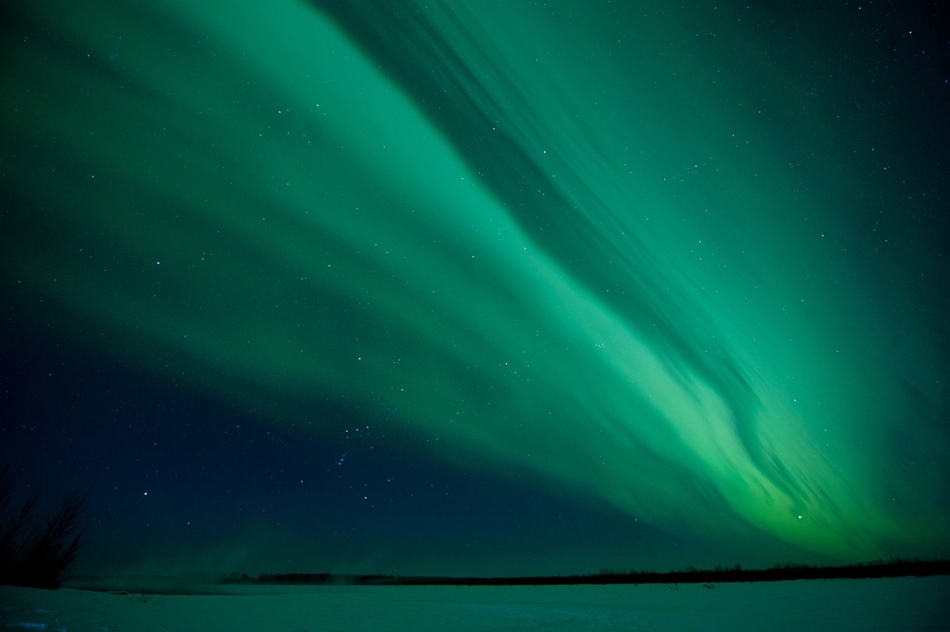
(870, 604)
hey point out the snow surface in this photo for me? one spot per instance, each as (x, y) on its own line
(907, 603)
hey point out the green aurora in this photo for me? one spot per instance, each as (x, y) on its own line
(690, 263)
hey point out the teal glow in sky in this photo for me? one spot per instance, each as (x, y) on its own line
(690, 265)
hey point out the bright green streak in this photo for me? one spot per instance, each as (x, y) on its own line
(247, 201)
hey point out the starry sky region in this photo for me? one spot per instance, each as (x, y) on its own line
(478, 287)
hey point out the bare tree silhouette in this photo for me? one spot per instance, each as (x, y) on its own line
(38, 553)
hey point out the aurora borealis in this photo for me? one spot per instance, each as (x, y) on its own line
(277, 271)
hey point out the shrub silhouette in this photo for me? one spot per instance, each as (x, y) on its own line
(38, 552)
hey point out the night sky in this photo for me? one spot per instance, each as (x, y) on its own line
(498, 287)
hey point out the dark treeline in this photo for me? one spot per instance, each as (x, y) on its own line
(780, 572)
